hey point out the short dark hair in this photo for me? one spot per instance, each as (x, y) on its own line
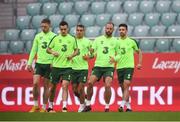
(110, 23)
(46, 20)
(80, 25)
(123, 25)
(62, 23)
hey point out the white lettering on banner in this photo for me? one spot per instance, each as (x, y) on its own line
(9, 65)
(163, 65)
(98, 95)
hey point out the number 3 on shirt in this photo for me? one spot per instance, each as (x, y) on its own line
(64, 48)
(105, 50)
(44, 45)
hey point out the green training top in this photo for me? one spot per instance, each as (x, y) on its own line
(83, 46)
(40, 44)
(104, 48)
(65, 46)
(127, 48)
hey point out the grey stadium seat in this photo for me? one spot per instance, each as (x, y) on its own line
(56, 30)
(88, 19)
(4, 47)
(73, 31)
(49, 8)
(16, 47)
(113, 7)
(176, 45)
(12, 34)
(23, 22)
(178, 19)
(158, 30)
(135, 19)
(65, 8)
(168, 19)
(72, 19)
(173, 30)
(147, 45)
(43, 1)
(58, 1)
(98, 7)
(152, 19)
(119, 18)
(28, 46)
(55, 20)
(176, 6)
(36, 21)
(93, 31)
(163, 6)
(130, 6)
(102, 19)
(81, 7)
(141, 30)
(146, 6)
(163, 45)
(28, 34)
(33, 9)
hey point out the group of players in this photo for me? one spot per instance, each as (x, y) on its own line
(64, 58)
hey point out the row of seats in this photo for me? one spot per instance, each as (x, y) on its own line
(151, 19)
(147, 45)
(99, 7)
(94, 31)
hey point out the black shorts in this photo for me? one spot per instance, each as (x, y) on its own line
(78, 76)
(125, 74)
(42, 69)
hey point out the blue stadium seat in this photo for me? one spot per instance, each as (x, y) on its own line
(163, 45)
(130, 6)
(98, 7)
(147, 45)
(102, 19)
(81, 7)
(158, 30)
(113, 7)
(176, 45)
(65, 8)
(72, 19)
(88, 19)
(27, 34)
(141, 30)
(4, 47)
(93, 31)
(16, 47)
(28, 46)
(22, 22)
(55, 20)
(163, 6)
(36, 21)
(168, 19)
(49, 8)
(119, 18)
(152, 19)
(173, 30)
(147, 6)
(135, 19)
(176, 6)
(33, 9)
(12, 34)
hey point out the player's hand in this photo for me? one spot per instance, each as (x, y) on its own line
(139, 66)
(56, 54)
(86, 57)
(29, 68)
(69, 58)
(111, 60)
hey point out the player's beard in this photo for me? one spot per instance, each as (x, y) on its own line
(122, 35)
(109, 34)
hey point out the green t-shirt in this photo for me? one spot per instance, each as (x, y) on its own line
(127, 48)
(104, 48)
(83, 46)
(65, 46)
(40, 44)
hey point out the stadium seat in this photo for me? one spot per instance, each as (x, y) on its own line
(27, 34)
(28, 46)
(73, 31)
(36, 21)
(56, 30)
(158, 30)
(55, 20)
(173, 30)
(141, 30)
(176, 45)
(176, 6)
(163, 45)
(33, 9)
(178, 19)
(49, 8)
(113, 7)
(130, 6)
(72, 20)
(4, 47)
(58, 1)
(152, 19)
(65, 8)
(22, 22)
(12, 34)
(43, 1)
(98, 7)
(147, 6)
(163, 6)
(102, 19)
(88, 20)
(119, 18)
(135, 19)
(81, 7)
(168, 19)
(147, 45)
(93, 31)
(16, 47)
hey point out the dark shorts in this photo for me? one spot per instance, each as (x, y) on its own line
(42, 69)
(78, 76)
(103, 72)
(125, 74)
(58, 74)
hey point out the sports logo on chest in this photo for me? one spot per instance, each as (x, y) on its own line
(60, 41)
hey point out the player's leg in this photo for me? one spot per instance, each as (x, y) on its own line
(75, 84)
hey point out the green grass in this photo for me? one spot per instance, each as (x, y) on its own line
(93, 116)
